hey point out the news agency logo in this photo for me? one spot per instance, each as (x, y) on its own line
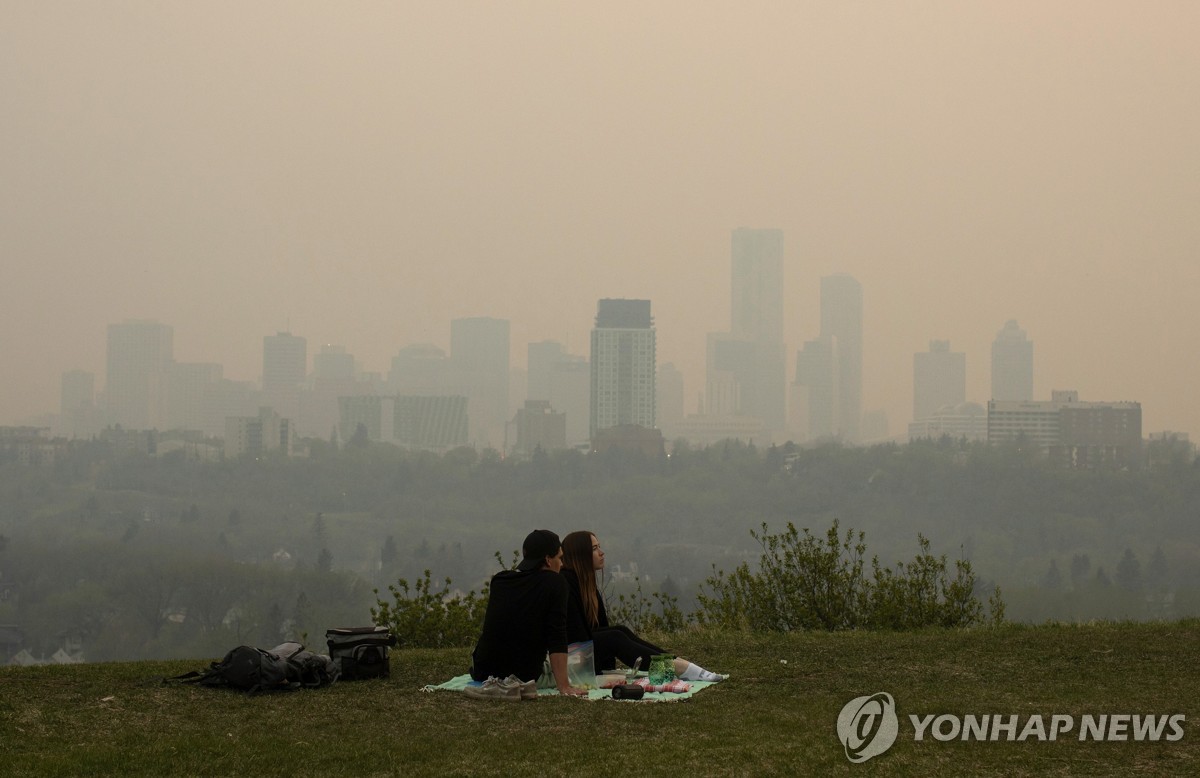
(867, 726)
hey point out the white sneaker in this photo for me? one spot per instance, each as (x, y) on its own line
(494, 689)
(527, 689)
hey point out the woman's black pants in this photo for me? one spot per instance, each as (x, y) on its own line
(621, 643)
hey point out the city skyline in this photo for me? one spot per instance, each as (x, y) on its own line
(968, 165)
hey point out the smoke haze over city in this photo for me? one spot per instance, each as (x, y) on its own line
(362, 174)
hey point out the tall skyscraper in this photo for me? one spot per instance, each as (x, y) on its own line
(756, 283)
(479, 357)
(542, 357)
(841, 323)
(285, 367)
(78, 391)
(669, 400)
(139, 355)
(746, 371)
(419, 369)
(571, 393)
(1012, 365)
(78, 415)
(623, 365)
(939, 379)
(187, 385)
(815, 391)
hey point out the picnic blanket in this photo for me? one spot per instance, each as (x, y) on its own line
(458, 683)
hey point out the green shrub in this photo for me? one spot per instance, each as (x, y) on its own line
(805, 582)
(421, 616)
(637, 611)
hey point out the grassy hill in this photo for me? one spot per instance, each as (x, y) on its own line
(776, 715)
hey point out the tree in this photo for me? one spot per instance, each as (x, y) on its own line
(325, 560)
(1156, 571)
(1080, 567)
(1053, 579)
(1129, 572)
(387, 557)
(359, 439)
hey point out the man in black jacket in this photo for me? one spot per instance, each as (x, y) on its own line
(526, 618)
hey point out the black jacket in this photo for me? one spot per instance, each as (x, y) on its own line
(526, 618)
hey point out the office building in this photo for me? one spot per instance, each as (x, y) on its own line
(623, 366)
(539, 426)
(285, 368)
(1012, 365)
(745, 367)
(78, 415)
(1071, 432)
(542, 357)
(963, 421)
(479, 361)
(420, 368)
(842, 325)
(139, 355)
(433, 423)
(939, 379)
(333, 376)
(815, 390)
(669, 402)
(571, 393)
(187, 384)
(266, 432)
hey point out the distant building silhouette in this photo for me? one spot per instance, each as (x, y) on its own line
(571, 393)
(78, 415)
(542, 357)
(842, 325)
(1012, 365)
(420, 368)
(939, 379)
(540, 426)
(187, 385)
(479, 361)
(333, 376)
(140, 353)
(669, 400)
(965, 420)
(431, 423)
(257, 435)
(1071, 432)
(623, 366)
(815, 391)
(745, 372)
(285, 368)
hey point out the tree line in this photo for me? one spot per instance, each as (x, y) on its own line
(133, 556)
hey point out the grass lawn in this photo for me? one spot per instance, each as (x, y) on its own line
(770, 718)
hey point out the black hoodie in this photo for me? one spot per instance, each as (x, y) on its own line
(526, 618)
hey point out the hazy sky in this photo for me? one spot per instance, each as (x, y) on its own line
(362, 173)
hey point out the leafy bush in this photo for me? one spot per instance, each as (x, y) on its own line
(421, 616)
(637, 611)
(805, 582)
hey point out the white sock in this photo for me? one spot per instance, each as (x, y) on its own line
(694, 672)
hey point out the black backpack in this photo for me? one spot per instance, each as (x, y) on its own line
(286, 667)
(360, 652)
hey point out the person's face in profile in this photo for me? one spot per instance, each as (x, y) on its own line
(555, 562)
(597, 555)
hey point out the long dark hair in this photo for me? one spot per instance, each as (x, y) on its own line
(577, 555)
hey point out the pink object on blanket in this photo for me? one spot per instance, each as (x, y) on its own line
(675, 687)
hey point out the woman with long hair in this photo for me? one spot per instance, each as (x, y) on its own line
(587, 618)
